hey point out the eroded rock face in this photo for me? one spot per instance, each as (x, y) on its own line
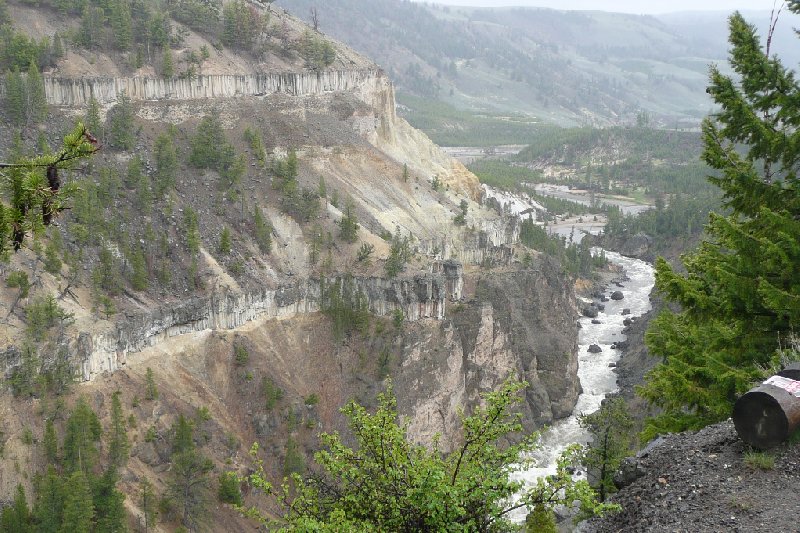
(519, 323)
(419, 297)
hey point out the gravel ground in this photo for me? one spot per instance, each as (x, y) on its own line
(699, 482)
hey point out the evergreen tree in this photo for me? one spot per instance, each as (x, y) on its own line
(109, 504)
(139, 275)
(348, 225)
(121, 124)
(262, 231)
(14, 101)
(35, 101)
(610, 427)
(209, 144)
(121, 24)
(83, 431)
(740, 296)
(17, 517)
(229, 489)
(225, 241)
(148, 505)
(48, 511)
(167, 64)
(151, 390)
(78, 505)
(118, 445)
(182, 435)
(189, 487)
(92, 118)
(166, 157)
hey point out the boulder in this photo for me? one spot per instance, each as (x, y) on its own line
(617, 295)
(627, 322)
(595, 321)
(626, 311)
(594, 348)
(590, 312)
(629, 471)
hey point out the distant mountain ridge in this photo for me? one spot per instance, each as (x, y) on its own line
(568, 68)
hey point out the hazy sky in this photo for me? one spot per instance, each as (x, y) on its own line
(626, 6)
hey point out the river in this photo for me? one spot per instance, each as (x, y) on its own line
(597, 376)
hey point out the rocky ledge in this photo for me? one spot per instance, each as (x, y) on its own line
(700, 481)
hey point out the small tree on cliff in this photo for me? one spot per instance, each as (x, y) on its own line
(388, 483)
(610, 427)
(740, 296)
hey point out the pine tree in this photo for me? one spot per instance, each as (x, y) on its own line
(610, 427)
(166, 157)
(225, 241)
(167, 64)
(109, 504)
(348, 225)
(262, 232)
(17, 517)
(209, 143)
(121, 124)
(14, 102)
(48, 510)
(139, 276)
(121, 25)
(78, 505)
(148, 505)
(189, 487)
(151, 390)
(182, 435)
(740, 296)
(118, 445)
(83, 431)
(36, 102)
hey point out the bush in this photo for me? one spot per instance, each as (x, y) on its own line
(229, 489)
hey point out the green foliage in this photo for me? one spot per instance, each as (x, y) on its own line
(189, 488)
(365, 253)
(229, 490)
(576, 258)
(253, 140)
(166, 159)
(109, 503)
(397, 319)
(399, 255)
(224, 247)
(311, 399)
(240, 354)
(118, 444)
(191, 227)
(346, 305)
(461, 218)
(740, 295)
(241, 25)
(121, 133)
(151, 390)
(78, 505)
(387, 483)
(107, 276)
(148, 504)
(759, 460)
(18, 279)
(140, 277)
(182, 435)
(17, 516)
(272, 393)
(317, 52)
(210, 148)
(83, 431)
(42, 314)
(348, 224)
(293, 461)
(262, 231)
(610, 427)
(167, 64)
(541, 520)
(28, 199)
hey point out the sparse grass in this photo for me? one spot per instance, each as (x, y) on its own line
(759, 460)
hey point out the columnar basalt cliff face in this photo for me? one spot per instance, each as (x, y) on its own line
(77, 92)
(419, 297)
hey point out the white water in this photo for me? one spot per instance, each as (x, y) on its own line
(597, 378)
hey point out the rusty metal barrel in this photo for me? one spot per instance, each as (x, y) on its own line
(768, 414)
